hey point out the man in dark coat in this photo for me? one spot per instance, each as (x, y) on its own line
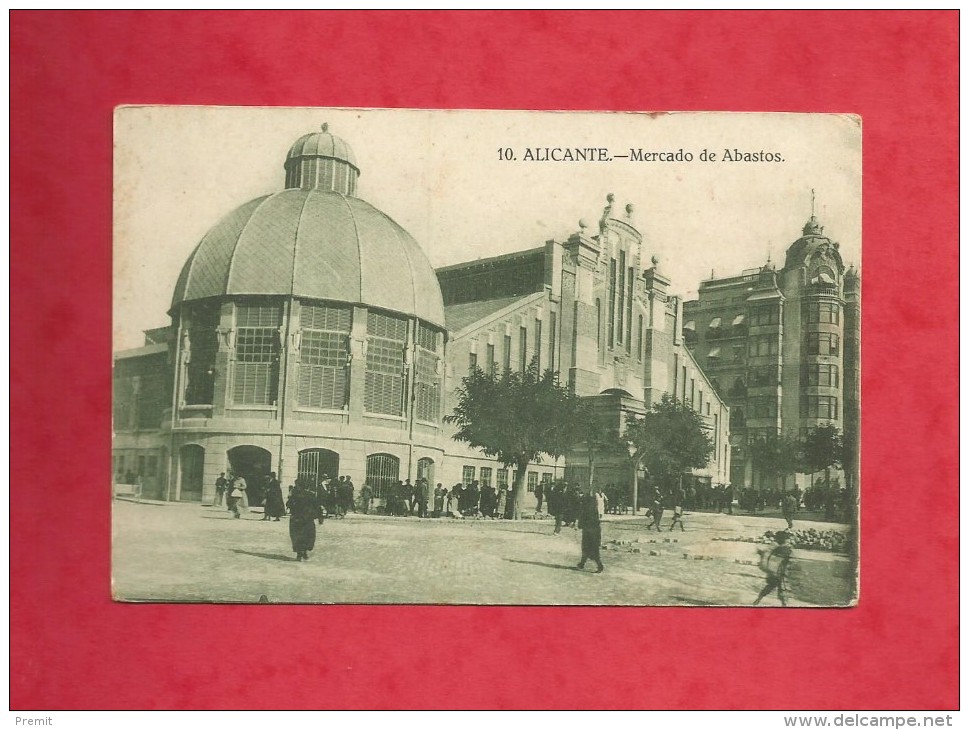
(555, 506)
(305, 512)
(423, 497)
(589, 523)
(275, 508)
(539, 496)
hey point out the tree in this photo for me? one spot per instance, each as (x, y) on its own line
(516, 417)
(669, 439)
(599, 437)
(821, 448)
(775, 455)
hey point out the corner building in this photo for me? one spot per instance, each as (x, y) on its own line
(783, 348)
(309, 335)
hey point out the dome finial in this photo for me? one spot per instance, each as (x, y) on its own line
(325, 126)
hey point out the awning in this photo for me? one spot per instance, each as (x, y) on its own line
(691, 326)
(714, 352)
(738, 320)
(714, 323)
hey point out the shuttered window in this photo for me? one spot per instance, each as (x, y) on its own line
(384, 386)
(427, 381)
(256, 366)
(323, 372)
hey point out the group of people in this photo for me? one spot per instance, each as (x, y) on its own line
(233, 491)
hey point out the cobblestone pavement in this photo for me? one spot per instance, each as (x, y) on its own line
(185, 552)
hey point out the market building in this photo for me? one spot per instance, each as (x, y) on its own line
(782, 347)
(309, 334)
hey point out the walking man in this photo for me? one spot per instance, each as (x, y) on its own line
(591, 526)
(774, 562)
(220, 484)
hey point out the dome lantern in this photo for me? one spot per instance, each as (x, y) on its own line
(322, 161)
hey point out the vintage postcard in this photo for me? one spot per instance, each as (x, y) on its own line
(485, 357)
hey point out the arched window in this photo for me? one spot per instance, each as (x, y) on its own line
(383, 470)
(313, 464)
(425, 469)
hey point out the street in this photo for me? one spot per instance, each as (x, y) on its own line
(186, 552)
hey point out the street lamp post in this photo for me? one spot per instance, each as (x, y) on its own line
(635, 463)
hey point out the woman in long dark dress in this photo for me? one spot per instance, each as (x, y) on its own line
(275, 508)
(305, 512)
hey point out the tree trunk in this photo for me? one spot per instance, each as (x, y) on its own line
(518, 491)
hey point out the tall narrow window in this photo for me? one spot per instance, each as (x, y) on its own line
(204, 344)
(485, 476)
(467, 474)
(538, 344)
(256, 366)
(598, 326)
(552, 327)
(523, 349)
(472, 361)
(384, 386)
(507, 353)
(612, 302)
(639, 339)
(629, 310)
(324, 344)
(491, 364)
(622, 295)
(427, 381)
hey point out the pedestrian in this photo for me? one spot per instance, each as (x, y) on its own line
(233, 498)
(423, 497)
(774, 562)
(348, 495)
(240, 484)
(275, 508)
(589, 517)
(570, 506)
(656, 510)
(728, 498)
(220, 485)
(439, 494)
(502, 501)
(305, 513)
(677, 510)
(366, 497)
(474, 494)
(539, 495)
(789, 508)
(555, 498)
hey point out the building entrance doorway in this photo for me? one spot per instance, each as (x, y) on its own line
(253, 464)
(314, 464)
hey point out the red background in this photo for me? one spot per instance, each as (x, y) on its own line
(71, 647)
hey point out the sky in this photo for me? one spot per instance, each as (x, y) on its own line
(179, 170)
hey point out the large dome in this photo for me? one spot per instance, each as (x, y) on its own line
(316, 244)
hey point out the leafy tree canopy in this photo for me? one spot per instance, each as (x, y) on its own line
(669, 439)
(776, 454)
(516, 416)
(821, 447)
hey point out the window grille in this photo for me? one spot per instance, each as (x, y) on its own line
(384, 386)
(532, 481)
(546, 477)
(491, 364)
(383, 471)
(467, 474)
(323, 374)
(502, 478)
(428, 387)
(486, 476)
(507, 352)
(425, 469)
(256, 366)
